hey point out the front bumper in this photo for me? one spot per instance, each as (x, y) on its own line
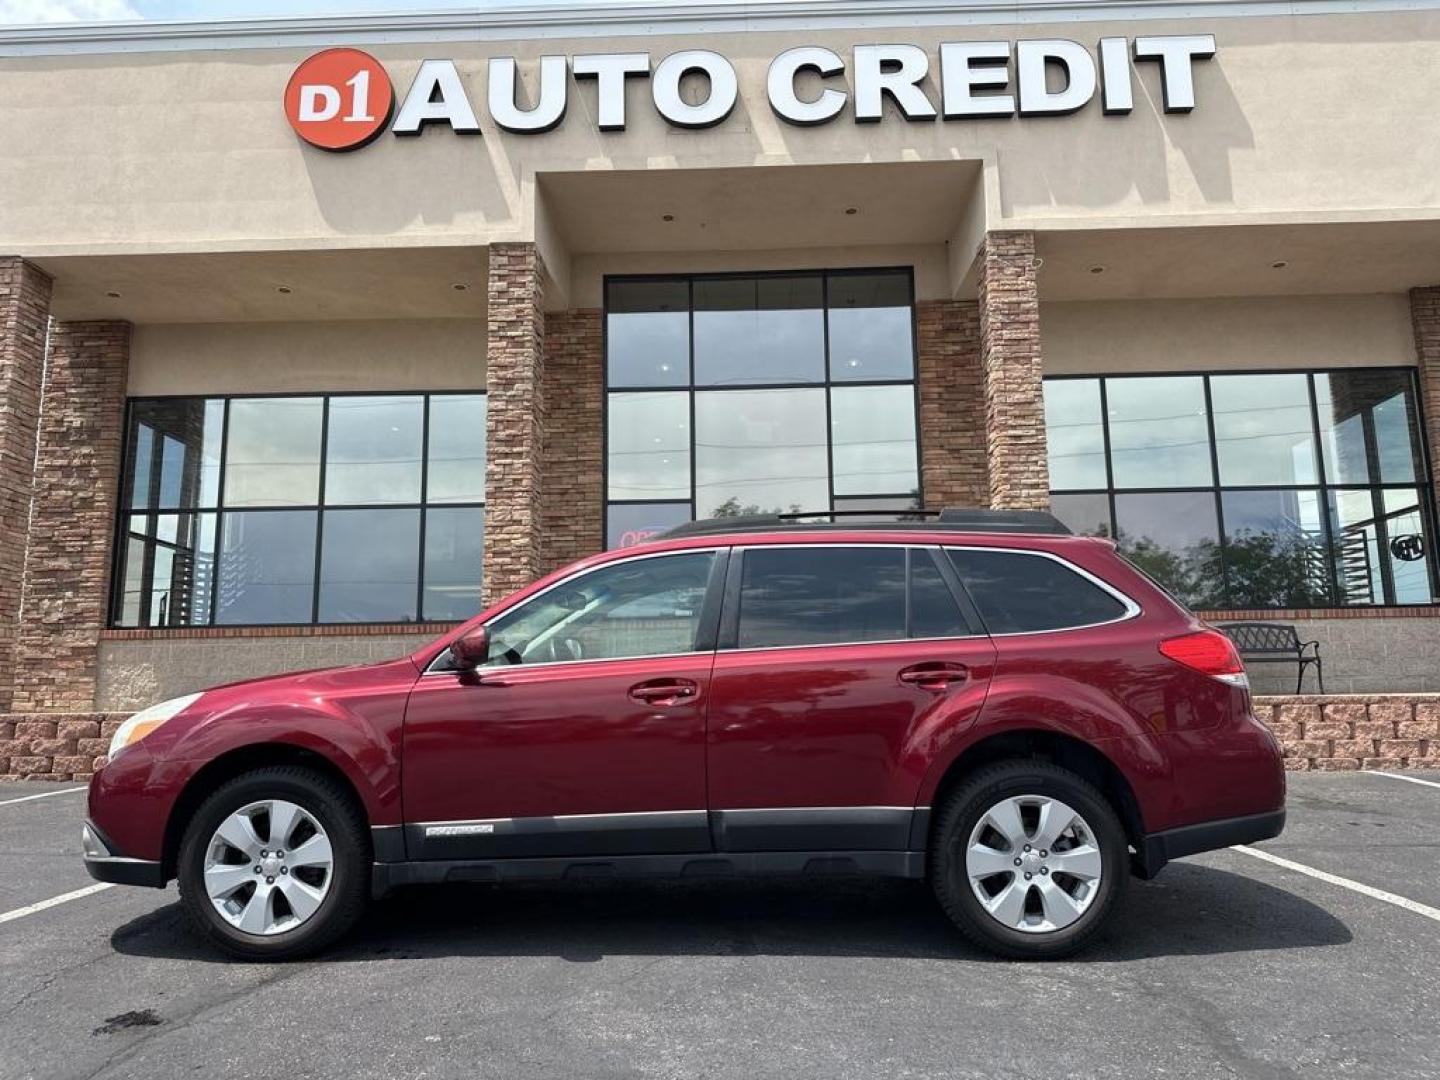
(103, 863)
(1159, 848)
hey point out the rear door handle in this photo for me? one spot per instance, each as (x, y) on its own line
(934, 675)
(664, 692)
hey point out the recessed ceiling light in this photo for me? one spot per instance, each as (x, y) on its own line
(851, 211)
(113, 295)
(1279, 265)
(284, 290)
(1097, 269)
(460, 286)
(667, 217)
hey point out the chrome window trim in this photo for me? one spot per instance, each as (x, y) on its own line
(430, 668)
(1132, 609)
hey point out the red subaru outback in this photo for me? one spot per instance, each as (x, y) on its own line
(1014, 713)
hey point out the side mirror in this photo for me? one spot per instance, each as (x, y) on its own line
(472, 649)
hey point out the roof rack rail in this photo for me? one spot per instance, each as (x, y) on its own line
(956, 519)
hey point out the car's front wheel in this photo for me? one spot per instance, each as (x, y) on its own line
(274, 865)
(1028, 859)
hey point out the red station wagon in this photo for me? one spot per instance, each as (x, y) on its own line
(1017, 714)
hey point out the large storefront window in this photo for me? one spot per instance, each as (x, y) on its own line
(1303, 489)
(753, 394)
(312, 509)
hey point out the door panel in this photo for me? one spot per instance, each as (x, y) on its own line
(814, 745)
(523, 750)
(584, 731)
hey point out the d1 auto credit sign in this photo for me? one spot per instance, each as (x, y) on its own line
(340, 99)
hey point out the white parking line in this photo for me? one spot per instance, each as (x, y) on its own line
(1407, 779)
(42, 795)
(1345, 883)
(55, 901)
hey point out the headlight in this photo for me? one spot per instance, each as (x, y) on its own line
(147, 720)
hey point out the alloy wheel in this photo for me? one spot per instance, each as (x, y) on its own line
(268, 867)
(1033, 863)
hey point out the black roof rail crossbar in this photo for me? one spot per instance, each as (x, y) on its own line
(956, 519)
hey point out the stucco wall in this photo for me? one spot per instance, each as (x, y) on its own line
(1233, 332)
(273, 357)
(184, 150)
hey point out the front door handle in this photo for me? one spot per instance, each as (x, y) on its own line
(934, 675)
(664, 692)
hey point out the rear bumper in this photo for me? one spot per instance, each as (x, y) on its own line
(1157, 849)
(103, 863)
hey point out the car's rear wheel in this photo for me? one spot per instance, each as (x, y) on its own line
(274, 865)
(1028, 859)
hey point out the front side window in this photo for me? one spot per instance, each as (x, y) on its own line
(645, 607)
(1020, 593)
(733, 394)
(1252, 490)
(301, 509)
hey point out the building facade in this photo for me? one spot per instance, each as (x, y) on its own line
(317, 334)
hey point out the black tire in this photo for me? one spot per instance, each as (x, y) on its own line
(962, 810)
(349, 886)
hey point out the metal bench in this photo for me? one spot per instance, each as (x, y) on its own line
(1275, 643)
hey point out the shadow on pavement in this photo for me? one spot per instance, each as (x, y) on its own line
(1190, 910)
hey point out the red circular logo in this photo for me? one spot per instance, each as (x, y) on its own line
(339, 99)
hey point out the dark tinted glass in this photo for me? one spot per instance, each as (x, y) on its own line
(1074, 434)
(373, 449)
(1174, 537)
(1019, 594)
(1264, 433)
(166, 570)
(368, 566)
(1084, 515)
(752, 331)
(628, 524)
(1159, 436)
(647, 333)
(1369, 427)
(933, 611)
(1275, 554)
(871, 334)
(267, 567)
(454, 543)
(174, 453)
(816, 596)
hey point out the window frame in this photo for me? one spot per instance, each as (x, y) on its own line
(705, 632)
(1423, 485)
(691, 388)
(729, 629)
(1133, 608)
(125, 512)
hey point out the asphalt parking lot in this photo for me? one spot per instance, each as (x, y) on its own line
(1227, 965)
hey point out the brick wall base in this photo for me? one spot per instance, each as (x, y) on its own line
(1336, 733)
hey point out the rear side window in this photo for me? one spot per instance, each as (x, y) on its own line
(1019, 594)
(821, 596)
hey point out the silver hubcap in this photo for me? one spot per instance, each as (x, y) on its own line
(1033, 864)
(268, 867)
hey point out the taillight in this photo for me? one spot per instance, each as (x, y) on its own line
(1208, 652)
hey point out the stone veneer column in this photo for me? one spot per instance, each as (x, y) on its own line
(24, 320)
(515, 383)
(952, 404)
(72, 521)
(1425, 316)
(574, 481)
(1010, 360)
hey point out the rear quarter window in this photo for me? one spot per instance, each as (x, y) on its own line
(1019, 593)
